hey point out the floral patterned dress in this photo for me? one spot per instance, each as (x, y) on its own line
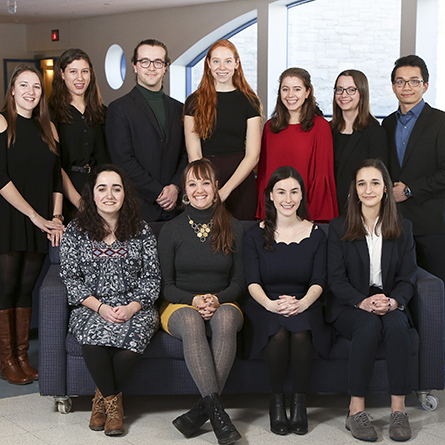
(115, 274)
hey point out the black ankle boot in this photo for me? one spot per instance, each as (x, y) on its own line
(279, 423)
(225, 431)
(298, 414)
(190, 422)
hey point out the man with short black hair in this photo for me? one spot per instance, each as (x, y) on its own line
(145, 135)
(416, 140)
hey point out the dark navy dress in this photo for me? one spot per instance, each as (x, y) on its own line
(290, 269)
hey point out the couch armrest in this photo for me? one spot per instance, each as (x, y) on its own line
(427, 309)
(53, 325)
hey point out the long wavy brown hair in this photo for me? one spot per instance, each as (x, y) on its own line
(389, 218)
(60, 98)
(40, 112)
(281, 116)
(205, 97)
(364, 117)
(270, 219)
(223, 234)
(129, 224)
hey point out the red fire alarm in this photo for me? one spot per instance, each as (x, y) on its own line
(55, 35)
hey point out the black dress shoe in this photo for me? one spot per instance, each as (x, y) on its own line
(224, 429)
(298, 414)
(279, 423)
(190, 422)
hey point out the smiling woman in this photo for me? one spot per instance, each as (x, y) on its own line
(297, 135)
(108, 262)
(30, 209)
(222, 122)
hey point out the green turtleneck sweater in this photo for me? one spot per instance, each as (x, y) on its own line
(156, 101)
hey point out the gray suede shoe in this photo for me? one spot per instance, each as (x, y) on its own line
(399, 428)
(360, 426)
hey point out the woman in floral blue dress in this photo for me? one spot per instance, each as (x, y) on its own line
(109, 264)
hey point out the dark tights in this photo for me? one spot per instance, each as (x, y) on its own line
(19, 272)
(282, 347)
(109, 366)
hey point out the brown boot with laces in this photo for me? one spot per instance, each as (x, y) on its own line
(114, 425)
(98, 414)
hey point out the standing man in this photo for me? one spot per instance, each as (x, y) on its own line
(145, 135)
(416, 139)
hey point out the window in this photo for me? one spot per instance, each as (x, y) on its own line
(327, 37)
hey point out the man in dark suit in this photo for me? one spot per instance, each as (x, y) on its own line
(145, 135)
(416, 140)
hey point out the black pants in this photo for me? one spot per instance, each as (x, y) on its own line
(366, 330)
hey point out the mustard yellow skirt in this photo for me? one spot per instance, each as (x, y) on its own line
(167, 309)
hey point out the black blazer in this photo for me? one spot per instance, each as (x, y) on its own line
(349, 268)
(369, 143)
(422, 170)
(137, 144)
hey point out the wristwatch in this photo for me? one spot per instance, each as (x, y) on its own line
(407, 192)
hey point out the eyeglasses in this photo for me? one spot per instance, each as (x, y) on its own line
(400, 83)
(145, 63)
(349, 91)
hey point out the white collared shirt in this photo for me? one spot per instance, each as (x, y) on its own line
(374, 241)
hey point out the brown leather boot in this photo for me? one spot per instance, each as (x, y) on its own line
(10, 370)
(22, 322)
(98, 415)
(114, 426)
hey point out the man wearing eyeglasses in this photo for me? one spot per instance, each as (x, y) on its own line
(416, 139)
(145, 135)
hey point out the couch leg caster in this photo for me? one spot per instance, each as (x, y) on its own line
(64, 404)
(428, 401)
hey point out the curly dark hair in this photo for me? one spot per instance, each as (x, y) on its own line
(270, 220)
(60, 98)
(129, 224)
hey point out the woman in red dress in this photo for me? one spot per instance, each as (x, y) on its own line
(297, 135)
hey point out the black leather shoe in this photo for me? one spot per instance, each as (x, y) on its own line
(190, 422)
(225, 431)
(298, 414)
(279, 423)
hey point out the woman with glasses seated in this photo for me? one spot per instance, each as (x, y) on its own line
(356, 132)
(298, 136)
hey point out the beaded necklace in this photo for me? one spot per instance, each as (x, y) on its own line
(202, 230)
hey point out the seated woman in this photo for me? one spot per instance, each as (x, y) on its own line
(109, 263)
(372, 276)
(200, 252)
(285, 267)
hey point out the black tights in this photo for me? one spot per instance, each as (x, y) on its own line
(109, 366)
(282, 347)
(19, 272)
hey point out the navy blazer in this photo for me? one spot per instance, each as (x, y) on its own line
(369, 143)
(137, 144)
(349, 268)
(422, 170)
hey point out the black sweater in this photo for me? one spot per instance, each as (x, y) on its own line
(191, 267)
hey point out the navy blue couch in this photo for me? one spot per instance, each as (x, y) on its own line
(63, 373)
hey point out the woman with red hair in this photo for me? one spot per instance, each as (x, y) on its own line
(222, 122)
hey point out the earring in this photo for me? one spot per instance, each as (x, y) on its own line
(185, 199)
(214, 198)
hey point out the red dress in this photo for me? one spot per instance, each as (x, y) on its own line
(311, 153)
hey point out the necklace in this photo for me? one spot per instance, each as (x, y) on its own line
(202, 230)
